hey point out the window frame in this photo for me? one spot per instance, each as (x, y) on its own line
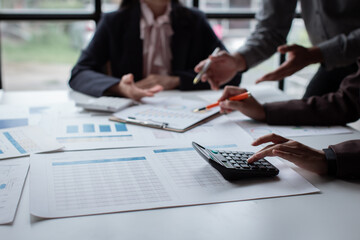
(96, 14)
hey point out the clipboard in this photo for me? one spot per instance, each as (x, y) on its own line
(163, 126)
(172, 114)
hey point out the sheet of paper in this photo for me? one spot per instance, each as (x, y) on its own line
(95, 132)
(266, 94)
(12, 177)
(13, 116)
(176, 112)
(262, 93)
(257, 129)
(220, 128)
(22, 141)
(94, 182)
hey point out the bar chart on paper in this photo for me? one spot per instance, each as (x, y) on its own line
(94, 132)
(89, 129)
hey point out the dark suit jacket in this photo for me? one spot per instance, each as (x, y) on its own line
(117, 40)
(336, 108)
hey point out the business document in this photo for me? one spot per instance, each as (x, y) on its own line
(173, 113)
(95, 132)
(257, 129)
(13, 116)
(12, 177)
(106, 181)
(22, 141)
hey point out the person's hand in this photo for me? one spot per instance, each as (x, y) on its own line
(167, 82)
(127, 88)
(298, 57)
(222, 69)
(250, 107)
(295, 152)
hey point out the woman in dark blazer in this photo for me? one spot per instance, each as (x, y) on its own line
(117, 48)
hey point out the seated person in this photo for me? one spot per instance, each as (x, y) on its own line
(341, 107)
(146, 46)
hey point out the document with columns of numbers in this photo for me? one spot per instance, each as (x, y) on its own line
(94, 182)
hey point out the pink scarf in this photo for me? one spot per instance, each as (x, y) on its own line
(156, 35)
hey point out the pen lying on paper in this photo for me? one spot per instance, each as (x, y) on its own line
(206, 67)
(239, 97)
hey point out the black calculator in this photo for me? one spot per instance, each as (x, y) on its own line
(233, 164)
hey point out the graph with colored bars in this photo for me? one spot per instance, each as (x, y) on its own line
(19, 141)
(96, 128)
(94, 132)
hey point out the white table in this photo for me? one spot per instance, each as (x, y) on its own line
(331, 214)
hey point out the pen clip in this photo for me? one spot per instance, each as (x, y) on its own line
(149, 123)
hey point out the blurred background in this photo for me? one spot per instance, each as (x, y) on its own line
(39, 55)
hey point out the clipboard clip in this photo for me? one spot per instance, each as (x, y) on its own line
(149, 123)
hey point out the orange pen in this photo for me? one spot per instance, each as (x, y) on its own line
(239, 97)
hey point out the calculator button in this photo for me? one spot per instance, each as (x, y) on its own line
(236, 158)
(228, 158)
(224, 154)
(232, 161)
(221, 158)
(228, 165)
(236, 165)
